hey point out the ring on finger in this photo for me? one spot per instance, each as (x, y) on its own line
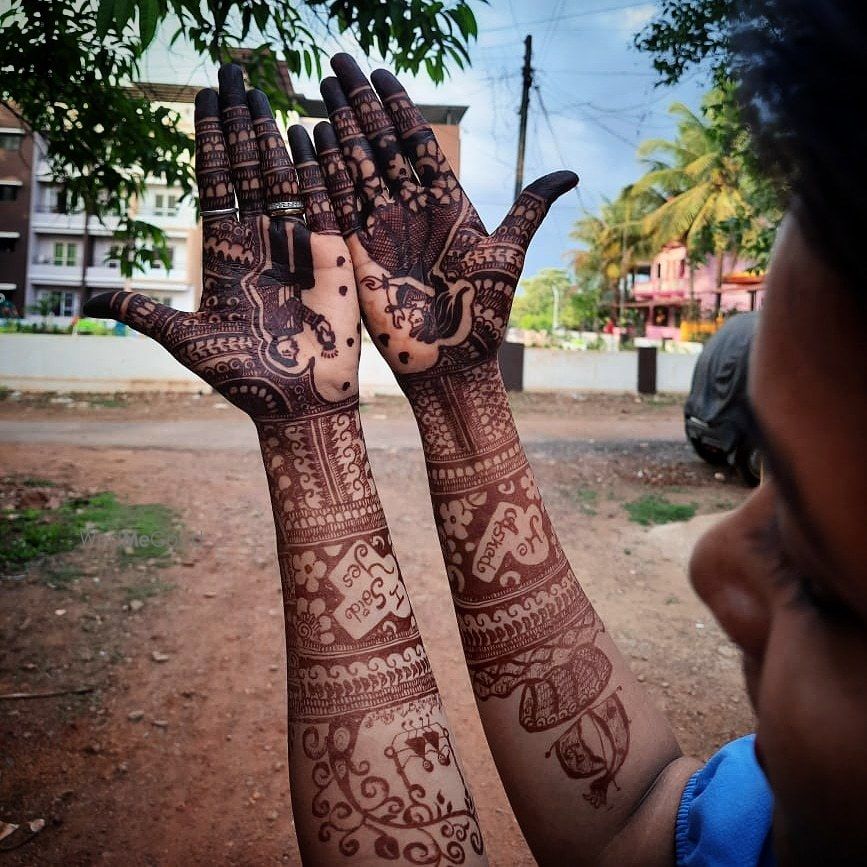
(287, 208)
(219, 212)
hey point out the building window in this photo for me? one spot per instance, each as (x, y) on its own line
(8, 240)
(65, 254)
(55, 202)
(51, 200)
(157, 263)
(682, 272)
(112, 257)
(166, 299)
(10, 140)
(63, 302)
(660, 316)
(8, 192)
(165, 205)
(659, 270)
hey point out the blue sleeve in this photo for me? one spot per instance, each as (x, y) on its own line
(724, 819)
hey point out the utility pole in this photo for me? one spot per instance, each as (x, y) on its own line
(555, 319)
(527, 73)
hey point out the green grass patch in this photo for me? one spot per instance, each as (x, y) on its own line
(139, 532)
(61, 576)
(587, 499)
(147, 590)
(653, 509)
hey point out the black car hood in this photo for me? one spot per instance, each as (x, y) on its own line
(718, 395)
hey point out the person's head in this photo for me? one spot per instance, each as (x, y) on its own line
(786, 575)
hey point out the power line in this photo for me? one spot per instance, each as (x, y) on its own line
(555, 140)
(571, 16)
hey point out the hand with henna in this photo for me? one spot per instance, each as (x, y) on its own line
(590, 766)
(277, 329)
(374, 769)
(435, 287)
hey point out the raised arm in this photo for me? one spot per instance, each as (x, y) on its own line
(375, 776)
(591, 768)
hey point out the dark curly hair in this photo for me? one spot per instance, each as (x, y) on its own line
(801, 66)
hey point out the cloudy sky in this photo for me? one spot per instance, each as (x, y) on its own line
(593, 101)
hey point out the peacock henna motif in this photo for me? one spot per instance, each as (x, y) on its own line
(430, 277)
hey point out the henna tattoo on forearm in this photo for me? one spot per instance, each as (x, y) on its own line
(363, 704)
(373, 766)
(526, 625)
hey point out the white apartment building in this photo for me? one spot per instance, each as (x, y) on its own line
(70, 266)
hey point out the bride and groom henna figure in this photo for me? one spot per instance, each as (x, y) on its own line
(371, 224)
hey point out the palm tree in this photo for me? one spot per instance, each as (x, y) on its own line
(615, 242)
(700, 177)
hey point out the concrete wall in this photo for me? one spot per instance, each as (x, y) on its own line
(54, 362)
(674, 371)
(558, 369)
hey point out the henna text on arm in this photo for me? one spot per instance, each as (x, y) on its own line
(576, 740)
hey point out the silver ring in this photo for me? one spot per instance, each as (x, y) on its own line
(287, 214)
(220, 212)
(287, 205)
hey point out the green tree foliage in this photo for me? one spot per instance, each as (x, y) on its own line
(703, 188)
(614, 241)
(687, 33)
(585, 311)
(577, 306)
(66, 67)
(713, 199)
(534, 304)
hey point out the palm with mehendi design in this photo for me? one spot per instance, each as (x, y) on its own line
(435, 287)
(268, 335)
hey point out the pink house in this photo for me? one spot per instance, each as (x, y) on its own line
(670, 288)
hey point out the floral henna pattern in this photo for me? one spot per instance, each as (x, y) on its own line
(436, 290)
(526, 625)
(407, 815)
(277, 332)
(363, 704)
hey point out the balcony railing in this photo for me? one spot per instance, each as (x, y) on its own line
(70, 275)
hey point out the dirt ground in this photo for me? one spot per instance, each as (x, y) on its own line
(177, 754)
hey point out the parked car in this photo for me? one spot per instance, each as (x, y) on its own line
(717, 412)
